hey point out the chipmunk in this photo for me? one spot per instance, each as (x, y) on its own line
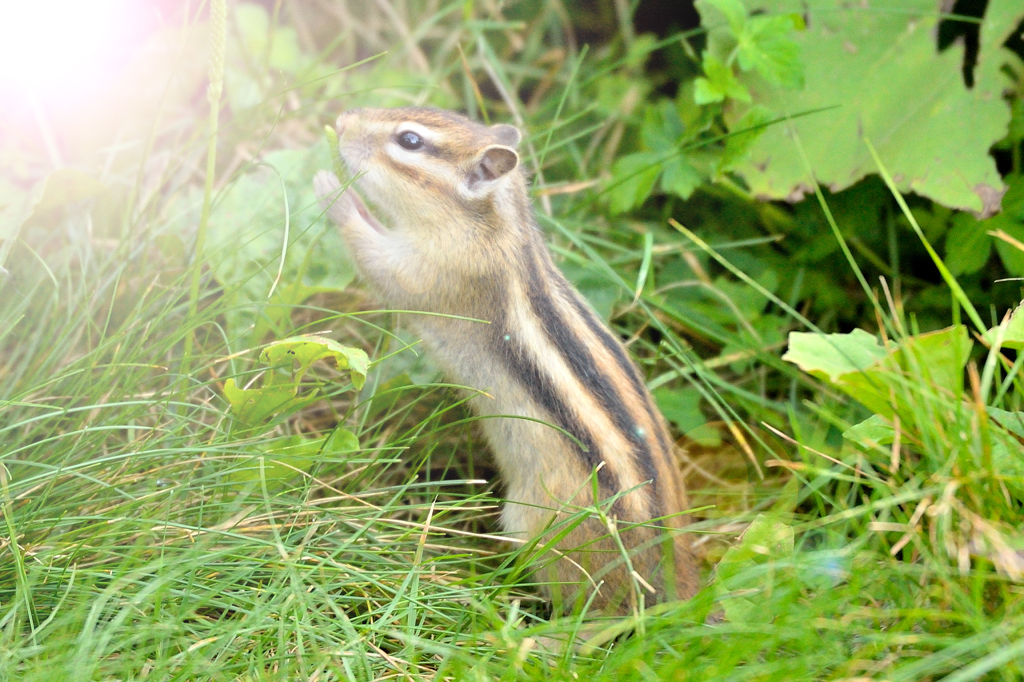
(456, 236)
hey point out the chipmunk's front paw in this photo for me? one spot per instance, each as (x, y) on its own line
(343, 205)
(336, 202)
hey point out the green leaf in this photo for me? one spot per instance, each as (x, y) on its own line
(766, 541)
(1011, 421)
(601, 291)
(766, 45)
(733, 10)
(286, 459)
(662, 128)
(633, 178)
(719, 82)
(681, 406)
(696, 119)
(1010, 254)
(938, 357)
(300, 352)
(874, 430)
(255, 43)
(1010, 221)
(252, 406)
(1013, 336)
(387, 394)
(882, 76)
(679, 177)
(833, 356)
(927, 366)
(744, 133)
(340, 442)
(968, 245)
(1015, 132)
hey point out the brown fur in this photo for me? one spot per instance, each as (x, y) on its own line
(459, 239)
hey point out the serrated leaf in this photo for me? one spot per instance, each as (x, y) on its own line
(695, 119)
(633, 178)
(679, 177)
(884, 79)
(766, 45)
(719, 82)
(744, 133)
(662, 127)
(300, 352)
(734, 11)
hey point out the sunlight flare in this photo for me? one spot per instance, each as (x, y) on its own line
(48, 47)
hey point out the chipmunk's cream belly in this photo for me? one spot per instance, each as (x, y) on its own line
(539, 469)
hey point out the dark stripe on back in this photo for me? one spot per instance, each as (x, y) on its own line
(615, 348)
(520, 366)
(582, 363)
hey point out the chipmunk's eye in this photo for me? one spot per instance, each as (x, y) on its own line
(410, 140)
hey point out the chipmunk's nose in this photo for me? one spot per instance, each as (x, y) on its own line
(345, 121)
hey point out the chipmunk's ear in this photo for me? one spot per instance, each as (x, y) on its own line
(506, 134)
(495, 161)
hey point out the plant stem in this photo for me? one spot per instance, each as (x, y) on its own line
(218, 31)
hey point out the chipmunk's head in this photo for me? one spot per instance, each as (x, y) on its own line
(430, 167)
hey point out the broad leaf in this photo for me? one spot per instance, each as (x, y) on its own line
(285, 459)
(252, 406)
(1013, 335)
(744, 134)
(1010, 221)
(924, 366)
(633, 178)
(968, 244)
(1011, 421)
(873, 430)
(766, 45)
(833, 356)
(767, 540)
(734, 12)
(883, 75)
(300, 352)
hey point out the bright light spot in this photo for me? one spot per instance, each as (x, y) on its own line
(57, 46)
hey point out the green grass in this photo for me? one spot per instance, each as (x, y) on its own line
(147, 534)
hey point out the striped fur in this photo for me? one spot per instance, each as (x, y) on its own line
(453, 232)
